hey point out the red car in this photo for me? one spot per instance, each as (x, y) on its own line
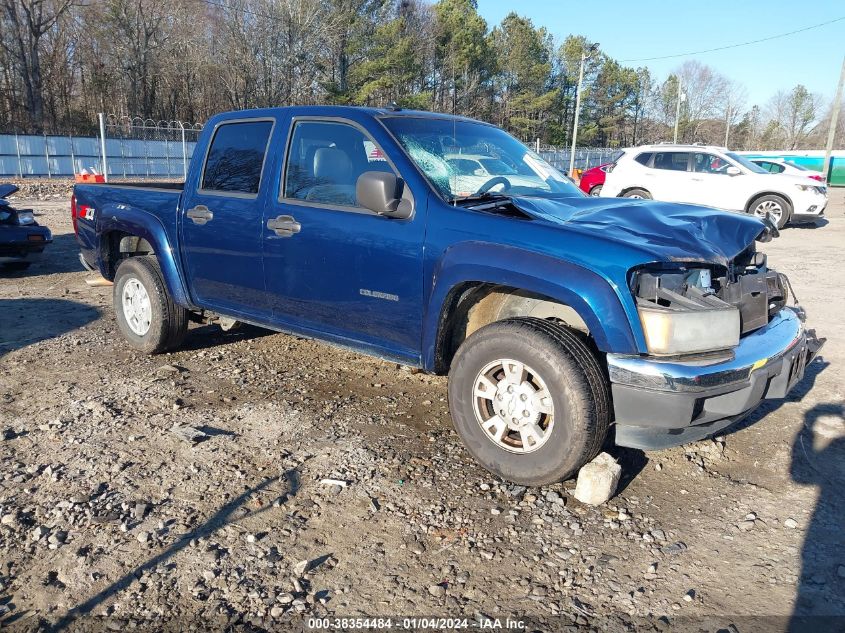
(593, 179)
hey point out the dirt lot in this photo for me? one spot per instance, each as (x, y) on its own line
(110, 517)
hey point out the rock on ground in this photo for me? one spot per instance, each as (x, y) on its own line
(597, 480)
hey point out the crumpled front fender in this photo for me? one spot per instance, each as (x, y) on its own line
(596, 300)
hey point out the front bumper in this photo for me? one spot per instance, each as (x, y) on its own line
(809, 206)
(662, 403)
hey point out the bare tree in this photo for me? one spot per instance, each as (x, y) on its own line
(28, 21)
(62, 61)
(794, 115)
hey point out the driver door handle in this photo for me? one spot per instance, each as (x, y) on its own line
(200, 214)
(284, 225)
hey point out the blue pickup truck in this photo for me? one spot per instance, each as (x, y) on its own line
(443, 243)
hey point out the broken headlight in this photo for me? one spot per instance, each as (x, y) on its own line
(681, 314)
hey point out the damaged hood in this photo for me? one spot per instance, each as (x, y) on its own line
(7, 190)
(667, 231)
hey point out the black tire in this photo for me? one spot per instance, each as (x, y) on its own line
(637, 193)
(773, 199)
(17, 265)
(596, 191)
(168, 321)
(574, 378)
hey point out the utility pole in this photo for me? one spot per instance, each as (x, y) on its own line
(834, 119)
(727, 123)
(681, 97)
(102, 118)
(584, 55)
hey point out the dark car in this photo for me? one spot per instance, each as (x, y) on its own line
(22, 239)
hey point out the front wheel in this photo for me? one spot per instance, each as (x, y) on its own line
(774, 205)
(639, 194)
(146, 315)
(529, 399)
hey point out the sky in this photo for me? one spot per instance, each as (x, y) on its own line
(637, 29)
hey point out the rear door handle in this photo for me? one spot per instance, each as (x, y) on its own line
(697, 179)
(284, 225)
(200, 214)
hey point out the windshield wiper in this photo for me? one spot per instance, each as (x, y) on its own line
(481, 197)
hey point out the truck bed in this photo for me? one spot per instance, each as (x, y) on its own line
(134, 199)
(143, 184)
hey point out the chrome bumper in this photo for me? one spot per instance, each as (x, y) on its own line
(661, 403)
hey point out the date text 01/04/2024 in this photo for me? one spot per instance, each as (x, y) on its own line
(414, 623)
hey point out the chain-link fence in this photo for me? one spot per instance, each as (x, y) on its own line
(127, 147)
(136, 148)
(585, 157)
(139, 148)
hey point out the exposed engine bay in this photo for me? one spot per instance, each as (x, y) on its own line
(746, 283)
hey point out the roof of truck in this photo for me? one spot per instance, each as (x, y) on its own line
(339, 110)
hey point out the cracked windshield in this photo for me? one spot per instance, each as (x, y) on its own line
(463, 159)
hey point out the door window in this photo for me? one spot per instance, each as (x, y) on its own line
(235, 158)
(673, 161)
(324, 161)
(643, 158)
(709, 164)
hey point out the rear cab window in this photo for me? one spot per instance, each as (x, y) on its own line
(235, 159)
(325, 160)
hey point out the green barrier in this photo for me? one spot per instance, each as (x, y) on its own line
(836, 178)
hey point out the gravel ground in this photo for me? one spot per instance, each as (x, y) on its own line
(115, 512)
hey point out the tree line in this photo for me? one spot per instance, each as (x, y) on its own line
(63, 61)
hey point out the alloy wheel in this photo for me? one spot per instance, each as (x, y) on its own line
(137, 308)
(513, 406)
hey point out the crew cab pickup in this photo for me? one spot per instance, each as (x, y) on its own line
(563, 321)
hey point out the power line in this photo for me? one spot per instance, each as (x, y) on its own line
(222, 5)
(722, 48)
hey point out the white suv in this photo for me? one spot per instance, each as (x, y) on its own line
(715, 177)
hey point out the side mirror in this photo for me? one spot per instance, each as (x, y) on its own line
(382, 193)
(733, 171)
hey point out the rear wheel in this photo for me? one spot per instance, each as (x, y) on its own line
(772, 204)
(529, 399)
(596, 191)
(146, 315)
(640, 194)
